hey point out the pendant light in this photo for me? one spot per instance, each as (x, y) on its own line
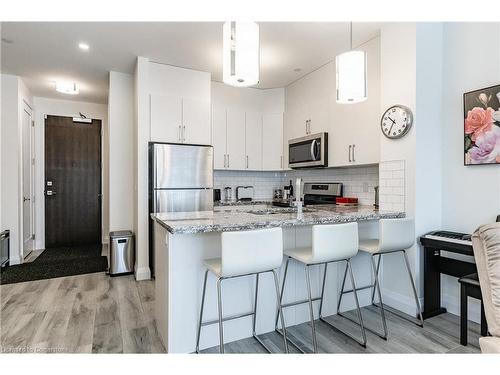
(240, 48)
(351, 75)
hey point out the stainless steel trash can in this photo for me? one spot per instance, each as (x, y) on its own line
(122, 253)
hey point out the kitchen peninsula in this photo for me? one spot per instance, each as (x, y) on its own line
(183, 240)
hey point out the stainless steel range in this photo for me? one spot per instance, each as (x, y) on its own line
(321, 192)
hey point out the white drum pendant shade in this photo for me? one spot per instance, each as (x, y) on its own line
(240, 46)
(351, 77)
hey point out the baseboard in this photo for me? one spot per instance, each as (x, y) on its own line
(142, 273)
(400, 302)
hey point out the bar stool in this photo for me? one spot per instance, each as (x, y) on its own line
(244, 253)
(330, 244)
(395, 235)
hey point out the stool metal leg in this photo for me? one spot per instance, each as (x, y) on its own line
(377, 286)
(378, 267)
(311, 311)
(360, 319)
(280, 310)
(282, 291)
(254, 317)
(358, 309)
(201, 312)
(342, 290)
(322, 291)
(219, 304)
(417, 301)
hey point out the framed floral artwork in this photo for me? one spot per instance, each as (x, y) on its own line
(482, 126)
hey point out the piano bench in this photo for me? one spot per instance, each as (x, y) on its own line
(469, 287)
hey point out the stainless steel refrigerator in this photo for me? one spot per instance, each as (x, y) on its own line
(180, 180)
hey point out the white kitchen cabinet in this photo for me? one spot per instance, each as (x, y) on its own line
(179, 120)
(195, 121)
(166, 118)
(253, 141)
(235, 139)
(219, 137)
(272, 142)
(319, 116)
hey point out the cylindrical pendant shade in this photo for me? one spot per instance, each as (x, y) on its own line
(351, 77)
(240, 47)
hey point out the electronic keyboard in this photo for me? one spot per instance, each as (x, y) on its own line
(449, 237)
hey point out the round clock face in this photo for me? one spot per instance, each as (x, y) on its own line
(396, 121)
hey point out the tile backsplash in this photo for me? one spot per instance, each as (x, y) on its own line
(393, 185)
(358, 181)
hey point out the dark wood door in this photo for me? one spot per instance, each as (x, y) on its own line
(72, 182)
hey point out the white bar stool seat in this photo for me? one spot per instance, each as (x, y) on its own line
(395, 235)
(244, 253)
(330, 244)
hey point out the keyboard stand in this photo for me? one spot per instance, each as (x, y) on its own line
(435, 265)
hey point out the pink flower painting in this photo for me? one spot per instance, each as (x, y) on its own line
(482, 126)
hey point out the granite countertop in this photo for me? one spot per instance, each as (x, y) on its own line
(233, 219)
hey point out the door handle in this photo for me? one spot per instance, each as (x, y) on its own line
(228, 160)
(353, 158)
(184, 133)
(224, 160)
(314, 148)
(350, 147)
(247, 161)
(179, 133)
(281, 161)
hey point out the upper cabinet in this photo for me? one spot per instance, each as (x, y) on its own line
(247, 140)
(196, 121)
(253, 141)
(179, 105)
(353, 129)
(272, 142)
(166, 118)
(179, 120)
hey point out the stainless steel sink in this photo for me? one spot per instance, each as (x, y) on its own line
(275, 211)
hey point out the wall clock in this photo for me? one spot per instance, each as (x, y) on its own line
(396, 122)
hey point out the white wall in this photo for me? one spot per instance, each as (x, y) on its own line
(121, 144)
(45, 106)
(15, 95)
(471, 195)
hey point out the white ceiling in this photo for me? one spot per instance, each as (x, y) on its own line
(43, 52)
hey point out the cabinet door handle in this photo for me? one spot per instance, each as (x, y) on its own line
(281, 161)
(353, 147)
(350, 147)
(228, 160)
(224, 160)
(184, 133)
(179, 133)
(247, 161)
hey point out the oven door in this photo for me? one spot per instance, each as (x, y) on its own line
(308, 152)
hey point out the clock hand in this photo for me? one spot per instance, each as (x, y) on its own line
(391, 128)
(393, 122)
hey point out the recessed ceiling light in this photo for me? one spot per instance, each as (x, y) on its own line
(297, 70)
(83, 46)
(68, 88)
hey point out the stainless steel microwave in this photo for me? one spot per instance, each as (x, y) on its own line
(310, 151)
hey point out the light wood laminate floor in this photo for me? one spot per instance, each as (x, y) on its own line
(95, 313)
